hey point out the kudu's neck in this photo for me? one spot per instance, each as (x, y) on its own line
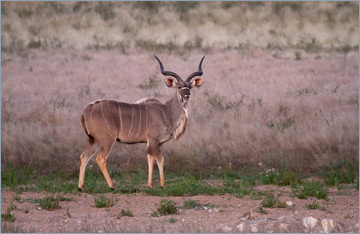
(176, 109)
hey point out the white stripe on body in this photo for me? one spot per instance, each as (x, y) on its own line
(120, 119)
(102, 112)
(146, 122)
(92, 117)
(132, 120)
(139, 127)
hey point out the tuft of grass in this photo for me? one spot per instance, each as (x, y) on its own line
(282, 177)
(13, 177)
(262, 210)
(271, 202)
(105, 10)
(313, 206)
(127, 213)
(191, 204)
(150, 6)
(256, 195)
(11, 207)
(336, 176)
(127, 188)
(103, 201)
(297, 55)
(207, 206)
(50, 203)
(166, 207)
(216, 100)
(18, 199)
(8, 217)
(152, 83)
(312, 189)
(24, 13)
(240, 188)
(172, 220)
(180, 187)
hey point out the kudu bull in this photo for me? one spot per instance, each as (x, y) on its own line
(146, 121)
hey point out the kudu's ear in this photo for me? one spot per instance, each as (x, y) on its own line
(196, 81)
(171, 82)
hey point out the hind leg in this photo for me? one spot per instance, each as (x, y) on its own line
(101, 161)
(151, 162)
(85, 157)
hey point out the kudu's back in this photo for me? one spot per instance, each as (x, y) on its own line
(109, 120)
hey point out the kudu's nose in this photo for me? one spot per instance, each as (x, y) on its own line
(187, 93)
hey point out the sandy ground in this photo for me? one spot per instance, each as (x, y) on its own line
(81, 215)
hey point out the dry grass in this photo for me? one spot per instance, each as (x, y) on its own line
(256, 105)
(308, 26)
(284, 113)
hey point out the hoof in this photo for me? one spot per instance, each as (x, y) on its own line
(80, 189)
(112, 189)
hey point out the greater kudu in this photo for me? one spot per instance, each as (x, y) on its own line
(146, 121)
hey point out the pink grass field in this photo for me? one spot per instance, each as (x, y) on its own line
(252, 108)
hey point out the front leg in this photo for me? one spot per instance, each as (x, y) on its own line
(152, 153)
(151, 162)
(160, 164)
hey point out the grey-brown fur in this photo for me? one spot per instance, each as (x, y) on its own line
(148, 121)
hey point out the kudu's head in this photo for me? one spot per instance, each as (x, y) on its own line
(182, 88)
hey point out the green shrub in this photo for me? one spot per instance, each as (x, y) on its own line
(103, 201)
(271, 202)
(313, 206)
(13, 177)
(312, 189)
(127, 213)
(166, 207)
(191, 204)
(336, 176)
(8, 217)
(50, 203)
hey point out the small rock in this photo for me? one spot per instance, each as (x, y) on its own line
(226, 229)
(327, 225)
(241, 227)
(309, 222)
(284, 227)
(289, 203)
(253, 228)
